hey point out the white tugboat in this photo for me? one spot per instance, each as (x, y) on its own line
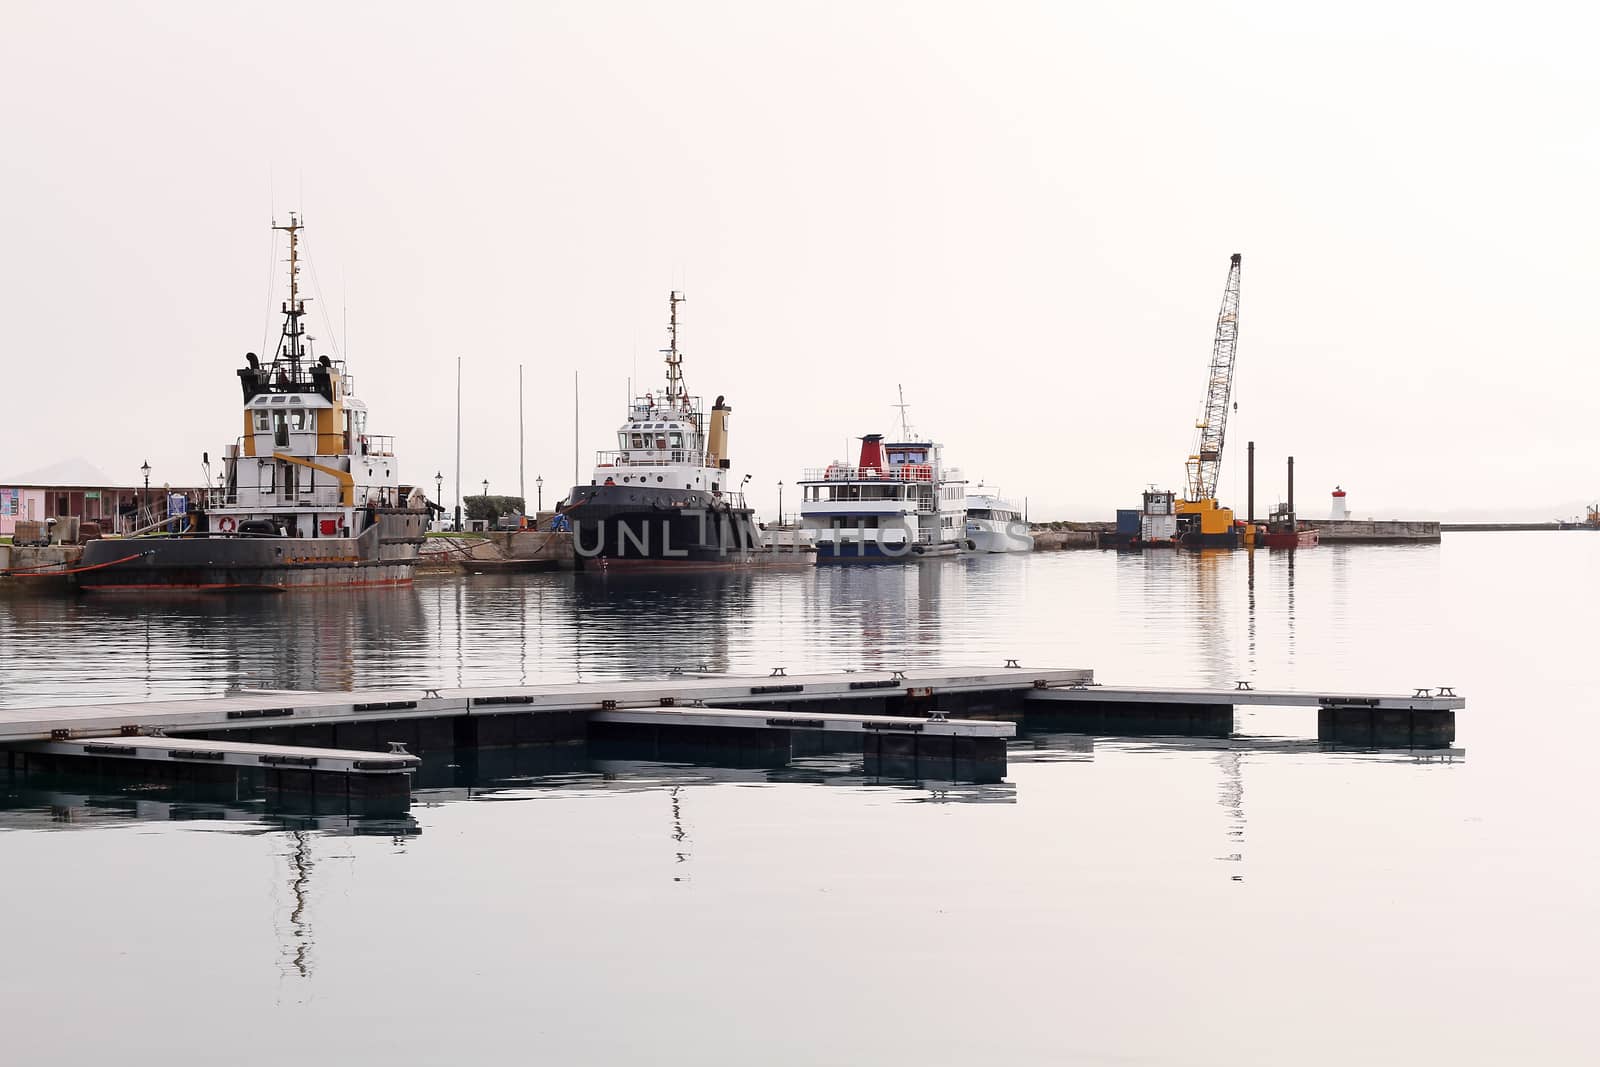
(994, 524)
(666, 498)
(898, 503)
(307, 497)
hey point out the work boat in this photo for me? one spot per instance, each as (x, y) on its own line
(666, 497)
(898, 503)
(306, 497)
(995, 524)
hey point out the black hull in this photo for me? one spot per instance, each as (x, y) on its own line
(385, 554)
(620, 527)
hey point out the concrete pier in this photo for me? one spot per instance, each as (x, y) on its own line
(1374, 531)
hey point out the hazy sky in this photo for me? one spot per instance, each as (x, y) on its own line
(1021, 212)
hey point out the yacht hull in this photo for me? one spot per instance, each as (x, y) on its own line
(987, 536)
(874, 552)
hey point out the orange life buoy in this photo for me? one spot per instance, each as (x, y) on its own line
(226, 524)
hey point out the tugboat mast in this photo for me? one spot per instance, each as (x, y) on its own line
(291, 348)
(677, 392)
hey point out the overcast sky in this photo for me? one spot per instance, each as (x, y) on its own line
(1021, 212)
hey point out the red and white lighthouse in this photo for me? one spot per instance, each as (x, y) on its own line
(1339, 509)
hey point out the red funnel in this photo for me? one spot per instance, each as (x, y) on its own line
(872, 452)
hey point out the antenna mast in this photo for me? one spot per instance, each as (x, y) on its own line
(905, 425)
(291, 348)
(676, 390)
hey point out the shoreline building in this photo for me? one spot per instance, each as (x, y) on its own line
(77, 489)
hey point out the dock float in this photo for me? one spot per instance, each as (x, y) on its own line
(906, 746)
(279, 769)
(1423, 717)
(943, 723)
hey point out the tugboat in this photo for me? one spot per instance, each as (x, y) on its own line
(1285, 530)
(665, 498)
(898, 503)
(307, 498)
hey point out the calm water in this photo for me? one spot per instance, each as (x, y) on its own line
(1114, 900)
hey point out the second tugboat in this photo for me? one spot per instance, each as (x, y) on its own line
(665, 498)
(307, 498)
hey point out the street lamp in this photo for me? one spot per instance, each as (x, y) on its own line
(438, 487)
(780, 502)
(538, 487)
(145, 466)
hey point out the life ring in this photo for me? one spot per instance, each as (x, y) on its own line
(226, 524)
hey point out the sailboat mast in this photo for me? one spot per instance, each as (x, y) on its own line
(522, 448)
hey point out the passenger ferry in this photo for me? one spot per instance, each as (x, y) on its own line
(995, 525)
(666, 497)
(307, 497)
(898, 503)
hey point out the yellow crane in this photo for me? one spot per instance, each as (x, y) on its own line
(1202, 521)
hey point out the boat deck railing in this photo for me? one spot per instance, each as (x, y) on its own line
(651, 457)
(905, 472)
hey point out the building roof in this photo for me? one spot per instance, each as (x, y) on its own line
(74, 472)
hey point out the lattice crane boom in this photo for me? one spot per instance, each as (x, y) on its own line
(1212, 427)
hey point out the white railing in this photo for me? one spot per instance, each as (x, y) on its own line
(376, 445)
(650, 457)
(905, 472)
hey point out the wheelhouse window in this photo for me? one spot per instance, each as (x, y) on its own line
(263, 421)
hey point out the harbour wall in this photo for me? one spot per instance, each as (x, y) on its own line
(1374, 531)
(1054, 536)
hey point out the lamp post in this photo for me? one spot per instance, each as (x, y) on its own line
(438, 490)
(538, 487)
(145, 466)
(780, 503)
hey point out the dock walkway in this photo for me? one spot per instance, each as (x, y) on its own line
(255, 709)
(1439, 698)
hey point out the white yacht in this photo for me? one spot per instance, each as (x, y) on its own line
(899, 502)
(995, 524)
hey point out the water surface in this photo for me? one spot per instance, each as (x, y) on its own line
(1145, 900)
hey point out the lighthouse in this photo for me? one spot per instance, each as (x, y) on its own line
(1339, 509)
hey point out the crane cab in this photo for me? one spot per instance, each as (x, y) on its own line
(1206, 524)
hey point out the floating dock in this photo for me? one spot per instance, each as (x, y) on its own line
(1425, 717)
(944, 723)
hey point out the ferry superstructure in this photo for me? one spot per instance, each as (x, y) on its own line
(994, 524)
(307, 496)
(666, 497)
(898, 503)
